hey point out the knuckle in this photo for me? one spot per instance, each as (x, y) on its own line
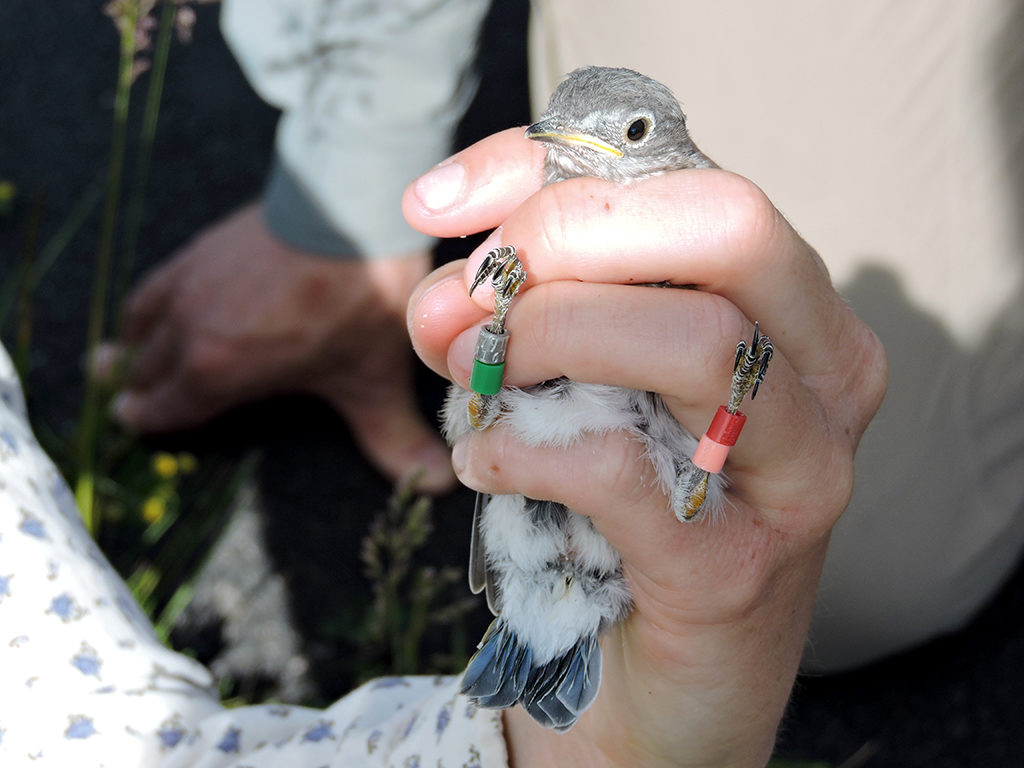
(630, 477)
(750, 223)
(860, 386)
(831, 488)
(839, 488)
(551, 323)
(874, 371)
(554, 217)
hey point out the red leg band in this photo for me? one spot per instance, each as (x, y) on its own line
(721, 436)
(725, 427)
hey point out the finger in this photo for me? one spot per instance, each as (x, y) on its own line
(108, 361)
(632, 336)
(439, 308)
(608, 478)
(477, 188)
(168, 406)
(595, 474)
(681, 344)
(707, 228)
(153, 357)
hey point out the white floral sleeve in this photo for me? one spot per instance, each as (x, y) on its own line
(85, 682)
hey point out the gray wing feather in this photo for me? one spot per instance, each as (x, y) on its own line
(493, 594)
(481, 579)
(477, 562)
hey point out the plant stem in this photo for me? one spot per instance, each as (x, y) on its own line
(147, 134)
(89, 423)
(23, 325)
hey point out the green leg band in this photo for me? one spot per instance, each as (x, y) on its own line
(486, 377)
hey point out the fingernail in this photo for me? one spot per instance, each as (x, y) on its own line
(102, 361)
(441, 186)
(459, 452)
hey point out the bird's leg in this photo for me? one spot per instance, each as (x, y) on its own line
(690, 493)
(507, 275)
(748, 370)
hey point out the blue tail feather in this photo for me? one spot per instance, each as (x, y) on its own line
(555, 694)
(550, 713)
(496, 675)
(582, 681)
(482, 662)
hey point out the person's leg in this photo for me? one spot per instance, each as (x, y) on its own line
(84, 678)
(84, 681)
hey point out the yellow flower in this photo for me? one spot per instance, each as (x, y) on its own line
(165, 465)
(186, 463)
(154, 508)
(7, 191)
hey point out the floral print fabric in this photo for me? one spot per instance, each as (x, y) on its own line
(85, 681)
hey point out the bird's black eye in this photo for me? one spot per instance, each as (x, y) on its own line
(638, 129)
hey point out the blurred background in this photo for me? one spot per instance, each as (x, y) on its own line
(263, 543)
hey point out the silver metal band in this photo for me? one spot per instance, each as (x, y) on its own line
(491, 346)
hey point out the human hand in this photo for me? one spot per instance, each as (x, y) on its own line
(237, 315)
(700, 672)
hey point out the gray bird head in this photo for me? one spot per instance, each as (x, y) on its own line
(615, 124)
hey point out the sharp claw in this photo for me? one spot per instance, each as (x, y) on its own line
(486, 267)
(507, 271)
(762, 368)
(741, 350)
(507, 275)
(749, 367)
(513, 277)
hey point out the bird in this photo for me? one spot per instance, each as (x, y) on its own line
(553, 582)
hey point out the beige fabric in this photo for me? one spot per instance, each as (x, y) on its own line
(890, 135)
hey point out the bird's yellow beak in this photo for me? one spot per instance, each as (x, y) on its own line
(545, 131)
